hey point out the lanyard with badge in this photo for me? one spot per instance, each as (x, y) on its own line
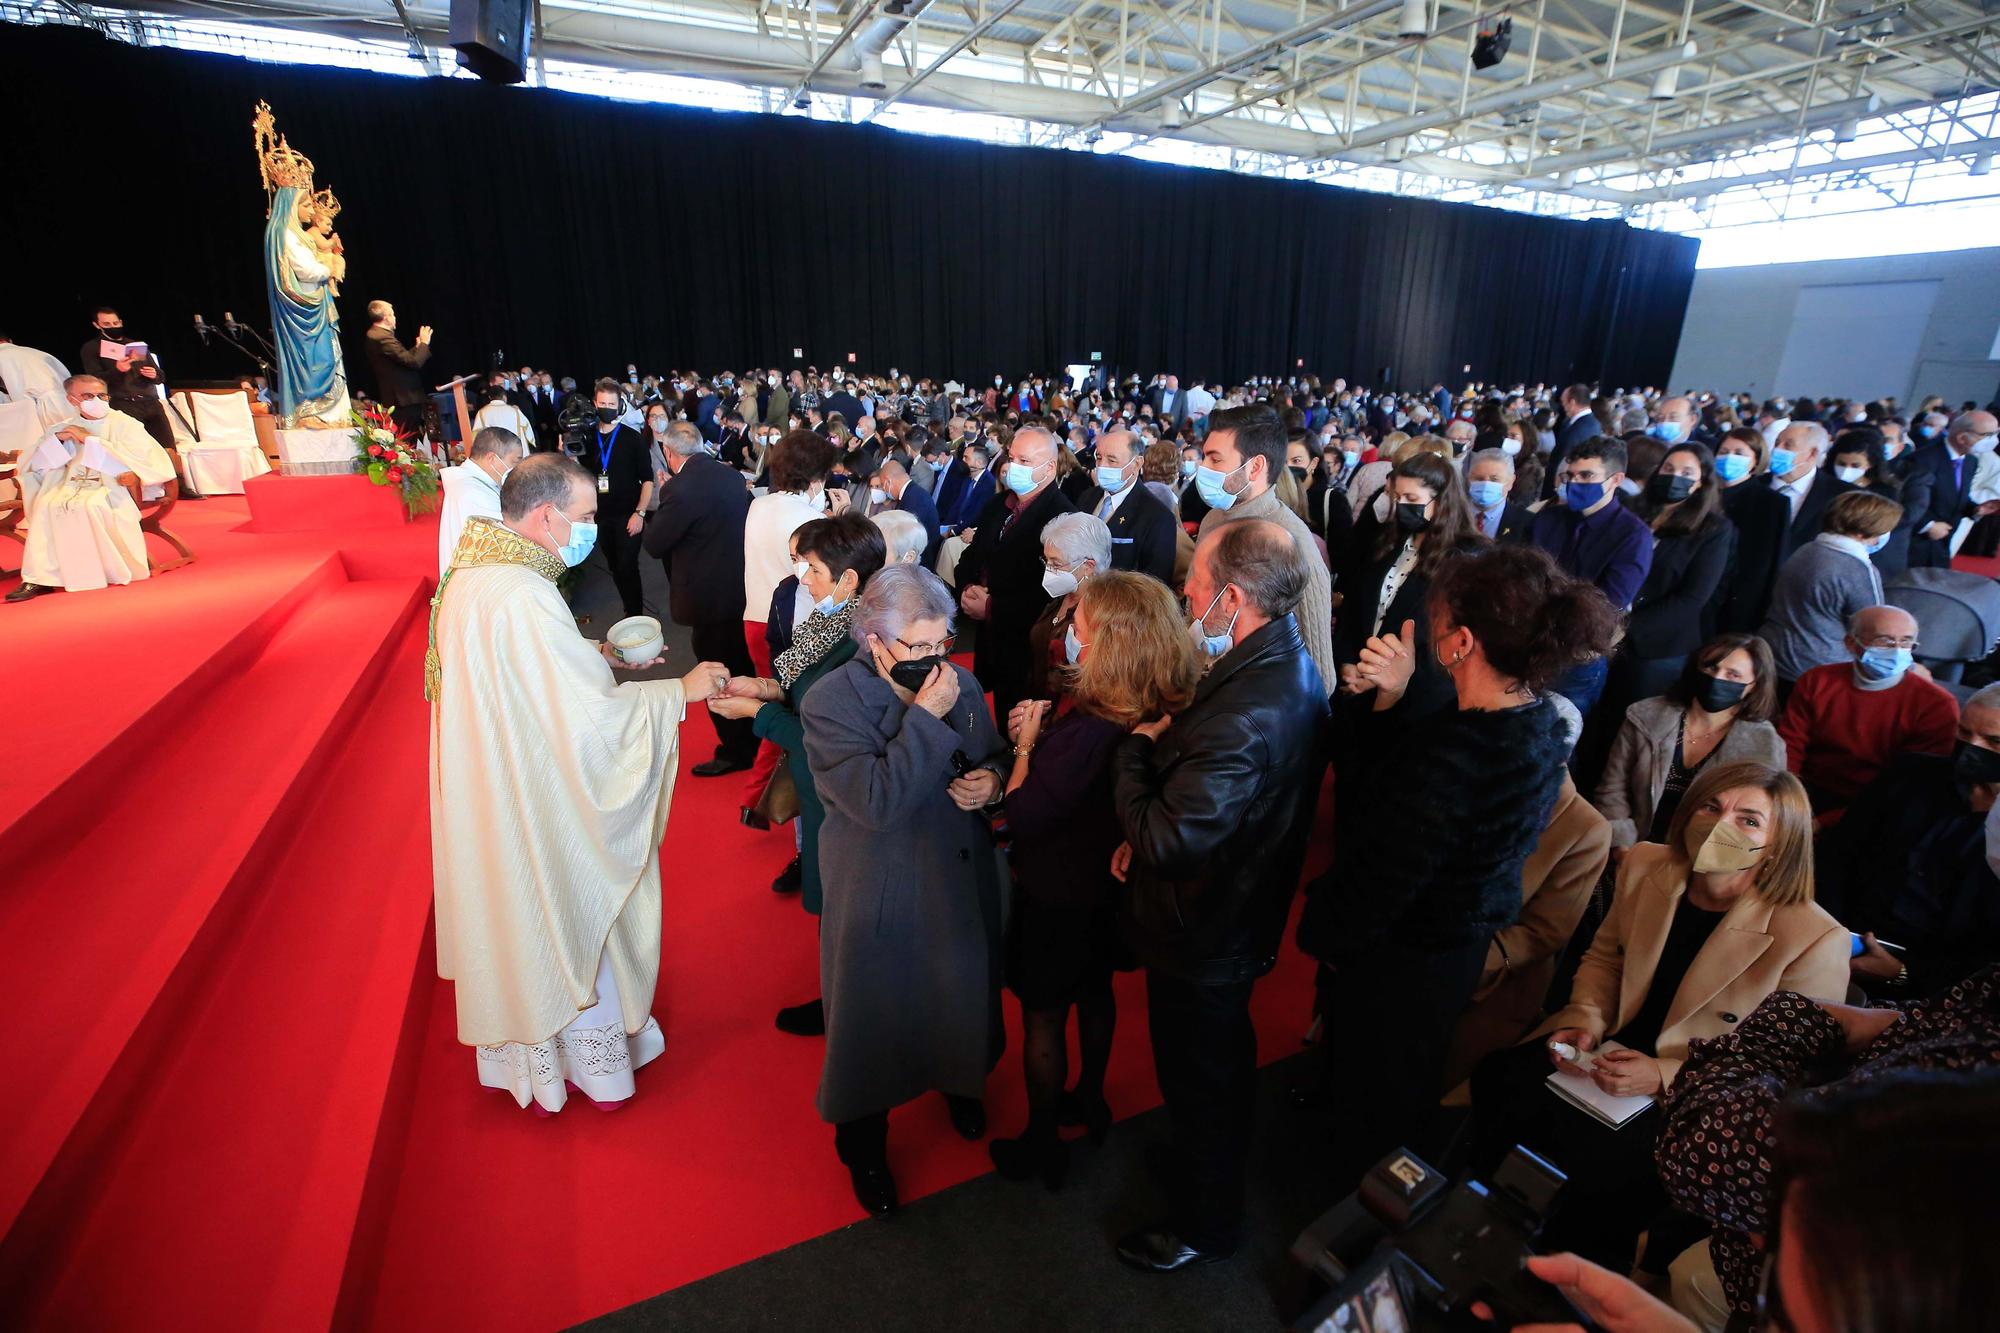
(604, 460)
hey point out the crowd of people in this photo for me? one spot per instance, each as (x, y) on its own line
(1631, 747)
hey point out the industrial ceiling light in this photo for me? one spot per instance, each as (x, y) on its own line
(1170, 114)
(1491, 47)
(803, 102)
(1394, 150)
(1981, 165)
(872, 75)
(1665, 84)
(1415, 19)
(1566, 180)
(1847, 131)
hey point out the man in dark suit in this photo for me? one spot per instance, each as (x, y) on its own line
(894, 480)
(622, 463)
(1169, 403)
(1939, 487)
(697, 534)
(131, 382)
(841, 401)
(1809, 488)
(964, 488)
(543, 404)
(397, 384)
(1489, 480)
(1142, 527)
(1578, 424)
(1000, 574)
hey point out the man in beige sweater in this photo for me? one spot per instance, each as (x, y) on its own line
(1240, 463)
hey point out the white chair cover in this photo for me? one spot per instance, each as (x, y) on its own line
(20, 432)
(226, 454)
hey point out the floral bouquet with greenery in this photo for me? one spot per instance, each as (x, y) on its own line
(389, 456)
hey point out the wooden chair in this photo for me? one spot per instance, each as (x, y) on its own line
(151, 515)
(12, 508)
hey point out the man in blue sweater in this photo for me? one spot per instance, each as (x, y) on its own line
(1594, 537)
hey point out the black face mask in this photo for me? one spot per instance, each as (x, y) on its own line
(1718, 695)
(912, 673)
(1665, 488)
(1973, 766)
(1411, 518)
(1298, 474)
(112, 330)
(607, 415)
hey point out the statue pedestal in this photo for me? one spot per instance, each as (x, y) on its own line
(316, 453)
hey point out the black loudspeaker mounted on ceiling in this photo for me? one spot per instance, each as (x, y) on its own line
(1491, 47)
(492, 37)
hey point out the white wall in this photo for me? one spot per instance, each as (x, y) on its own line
(1790, 329)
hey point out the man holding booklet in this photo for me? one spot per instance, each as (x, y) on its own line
(1701, 930)
(130, 373)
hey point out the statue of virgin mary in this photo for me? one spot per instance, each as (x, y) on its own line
(302, 270)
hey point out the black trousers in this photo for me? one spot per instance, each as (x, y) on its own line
(722, 641)
(621, 553)
(409, 418)
(151, 413)
(863, 1142)
(1387, 1023)
(1613, 1192)
(1205, 1055)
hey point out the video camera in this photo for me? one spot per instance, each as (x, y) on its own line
(1409, 1251)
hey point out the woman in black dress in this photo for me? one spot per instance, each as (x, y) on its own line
(1130, 661)
(1762, 518)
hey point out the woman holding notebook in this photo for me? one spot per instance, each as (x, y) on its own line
(1702, 928)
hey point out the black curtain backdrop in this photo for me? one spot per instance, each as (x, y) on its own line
(579, 234)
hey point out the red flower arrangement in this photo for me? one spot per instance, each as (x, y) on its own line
(389, 457)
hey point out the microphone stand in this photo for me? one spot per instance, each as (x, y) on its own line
(258, 357)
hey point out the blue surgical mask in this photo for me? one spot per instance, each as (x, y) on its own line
(1072, 650)
(1879, 542)
(1020, 478)
(1783, 461)
(1486, 494)
(1667, 432)
(1884, 663)
(582, 538)
(826, 605)
(1581, 495)
(1351, 457)
(1209, 483)
(1187, 468)
(1112, 479)
(1213, 645)
(1732, 467)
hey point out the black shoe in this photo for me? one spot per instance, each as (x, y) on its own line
(751, 819)
(874, 1189)
(804, 1020)
(968, 1116)
(716, 767)
(791, 879)
(1157, 1250)
(1025, 1158)
(1093, 1115)
(30, 590)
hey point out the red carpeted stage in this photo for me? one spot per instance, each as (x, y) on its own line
(238, 1100)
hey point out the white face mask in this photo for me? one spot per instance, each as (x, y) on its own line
(801, 568)
(93, 409)
(817, 500)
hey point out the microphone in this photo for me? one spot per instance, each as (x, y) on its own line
(229, 323)
(201, 328)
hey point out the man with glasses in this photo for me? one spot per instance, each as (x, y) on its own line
(1847, 720)
(81, 486)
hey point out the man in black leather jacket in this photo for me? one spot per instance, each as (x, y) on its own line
(1216, 808)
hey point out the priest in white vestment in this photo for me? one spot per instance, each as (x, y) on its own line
(550, 783)
(497, 411)
(82, 523)
(27, 374)
(472, 488)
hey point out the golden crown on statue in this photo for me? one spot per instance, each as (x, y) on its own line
(325, 204)
(281, 164)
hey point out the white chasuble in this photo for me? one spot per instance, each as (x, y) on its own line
(82, 526)
(550, 784)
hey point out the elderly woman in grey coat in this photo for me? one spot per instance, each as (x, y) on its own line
(905, 755)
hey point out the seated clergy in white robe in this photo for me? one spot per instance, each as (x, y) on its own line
(472, 488)
(550, 783)
(82, 523)
(27, 374)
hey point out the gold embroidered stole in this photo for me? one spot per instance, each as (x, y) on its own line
(484, 542)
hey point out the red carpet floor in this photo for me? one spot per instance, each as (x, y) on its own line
(256, 1114)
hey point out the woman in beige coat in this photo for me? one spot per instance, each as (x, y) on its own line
(1717, 713)
(1702, 929)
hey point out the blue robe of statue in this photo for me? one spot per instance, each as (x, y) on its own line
(311, 376)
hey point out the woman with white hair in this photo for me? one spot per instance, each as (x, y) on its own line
(905, 757)
(1075, 548)
(903, 534)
